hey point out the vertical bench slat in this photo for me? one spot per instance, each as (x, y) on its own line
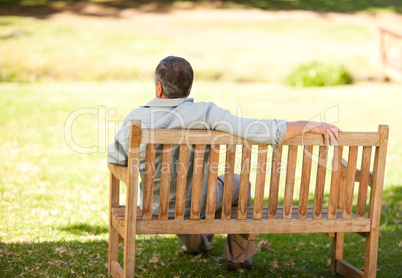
(181, 182)
(274, 184)
(342, 185)
(165, 182)
(341, 198)
(305, 182)
(335, 182)
(364, 180)
(260, 181)
(228, 187)
(197, 181)
(244, 182)
(212, 181)
(320, 182)
(290, 182)
(350, 182)
(149, 182)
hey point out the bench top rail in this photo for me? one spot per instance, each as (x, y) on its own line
(193, 137)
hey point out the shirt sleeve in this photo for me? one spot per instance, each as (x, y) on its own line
(117, 151)
(270, 132)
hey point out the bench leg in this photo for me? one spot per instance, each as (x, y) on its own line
(113, 252)
(337, 250)
(129, 257)
(113, 248)
(250, 237)
(370, 259)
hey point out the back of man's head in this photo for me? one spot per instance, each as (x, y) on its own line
(176, 77)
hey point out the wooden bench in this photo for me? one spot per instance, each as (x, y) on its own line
(303, 163)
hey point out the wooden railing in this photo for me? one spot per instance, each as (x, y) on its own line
(391, 52)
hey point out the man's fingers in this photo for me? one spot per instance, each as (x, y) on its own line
(325, 138)
(328, 131)
(331, 136)
(334, 132)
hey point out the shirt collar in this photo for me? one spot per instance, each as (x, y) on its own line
(172, 102)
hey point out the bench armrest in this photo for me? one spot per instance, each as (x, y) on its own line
(344, 173)
(119, 172)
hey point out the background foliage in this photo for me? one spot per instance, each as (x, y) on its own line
(319, 74)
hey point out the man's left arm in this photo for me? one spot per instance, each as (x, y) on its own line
(118, 150)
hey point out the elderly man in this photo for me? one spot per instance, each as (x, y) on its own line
(172, 108)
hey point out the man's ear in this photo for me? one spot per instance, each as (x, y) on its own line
(158, 90)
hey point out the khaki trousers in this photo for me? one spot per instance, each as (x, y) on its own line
(237, 249)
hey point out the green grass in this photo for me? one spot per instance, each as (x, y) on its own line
(54, 201)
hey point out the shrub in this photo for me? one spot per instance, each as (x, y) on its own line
(319, 74)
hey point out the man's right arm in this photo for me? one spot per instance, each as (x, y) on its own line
(267, 131)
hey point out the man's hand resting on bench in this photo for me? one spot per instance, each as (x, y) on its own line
(329, 132)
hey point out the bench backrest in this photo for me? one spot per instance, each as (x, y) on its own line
(300, 171)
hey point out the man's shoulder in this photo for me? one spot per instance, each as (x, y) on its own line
(134, 114)
(204, 104)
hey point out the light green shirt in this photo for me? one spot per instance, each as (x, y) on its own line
(184, 113)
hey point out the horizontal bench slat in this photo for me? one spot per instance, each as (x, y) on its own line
(347, 270)
(344, 173)
(192, 137)
(279, 213)
(346, 139)
(116, 271)
(119, 215)
(252, 226)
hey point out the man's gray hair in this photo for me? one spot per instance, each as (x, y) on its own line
(176, 77)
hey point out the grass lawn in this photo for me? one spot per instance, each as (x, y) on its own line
(53, 202)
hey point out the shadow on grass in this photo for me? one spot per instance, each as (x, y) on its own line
(84, 229)
(111, 8)
(286, 255)
(281, 255)
(392, 206)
